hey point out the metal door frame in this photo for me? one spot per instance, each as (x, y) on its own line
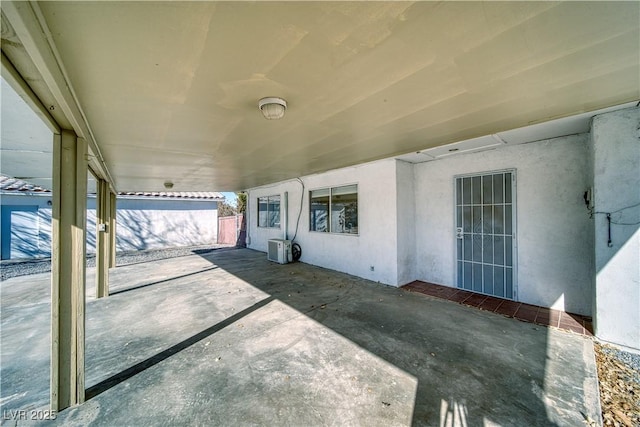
(514, 222)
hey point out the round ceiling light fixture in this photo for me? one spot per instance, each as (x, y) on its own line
(168, 185)
(272, 108)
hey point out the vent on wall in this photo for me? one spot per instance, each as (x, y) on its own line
(467, 146)
(279, 251)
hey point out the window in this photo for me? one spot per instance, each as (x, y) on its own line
(334, 210)
(269, 211)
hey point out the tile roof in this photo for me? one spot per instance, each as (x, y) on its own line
(209, 195)
(14, 184)
(10, 185)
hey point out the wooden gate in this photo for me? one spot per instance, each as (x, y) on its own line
(229, 228)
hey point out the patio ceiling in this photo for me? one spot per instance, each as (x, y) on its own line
(169, 90)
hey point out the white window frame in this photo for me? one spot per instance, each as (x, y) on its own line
(330, 189)
(269, 197)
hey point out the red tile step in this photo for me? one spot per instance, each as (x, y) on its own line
(524, 312)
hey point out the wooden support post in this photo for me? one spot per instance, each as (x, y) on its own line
(103, 240)
(112, 231)
(68, 274)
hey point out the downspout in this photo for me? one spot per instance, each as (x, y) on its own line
(247, 209)
(237, 227)
(285, 218)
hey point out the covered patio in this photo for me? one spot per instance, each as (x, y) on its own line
(228, 338)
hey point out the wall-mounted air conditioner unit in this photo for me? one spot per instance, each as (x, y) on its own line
(279, 251)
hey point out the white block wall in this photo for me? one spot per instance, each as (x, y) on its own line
(154, 224)
(141, 223)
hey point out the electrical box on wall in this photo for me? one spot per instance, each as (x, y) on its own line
(279, 251)
(588, 198)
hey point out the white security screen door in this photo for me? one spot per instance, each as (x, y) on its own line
(485, 233)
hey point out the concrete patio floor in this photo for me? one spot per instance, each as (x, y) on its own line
(228, 338)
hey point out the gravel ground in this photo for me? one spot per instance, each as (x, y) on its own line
(629, 359)
(15, 268)
(619, 381)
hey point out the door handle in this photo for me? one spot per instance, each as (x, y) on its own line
(459, 233)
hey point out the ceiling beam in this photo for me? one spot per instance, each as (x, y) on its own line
(15, 80)
(31, 29)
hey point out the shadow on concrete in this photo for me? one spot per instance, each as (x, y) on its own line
(120, 377)
(158, 282)
(472, 367)
(235, 339)
(122, 261)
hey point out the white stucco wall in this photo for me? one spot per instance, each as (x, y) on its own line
(616, 181)
(406, 214)
(554, 239)
(376, 243)
(407, 224)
